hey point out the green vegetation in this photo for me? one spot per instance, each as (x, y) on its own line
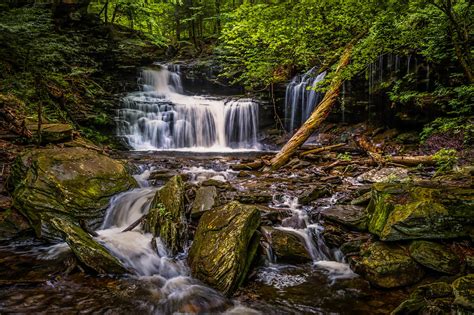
(445, 159)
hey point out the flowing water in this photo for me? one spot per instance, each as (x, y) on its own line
(301, 98)
(162, 116)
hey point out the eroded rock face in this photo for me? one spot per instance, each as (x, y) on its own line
(435, 256)
(388, 265)
(405, 211)
(86, 249)
(70, 183)
(287, 247)
(224, 246)
(166, 218)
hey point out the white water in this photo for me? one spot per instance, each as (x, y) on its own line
(301, 98)
(161, 116)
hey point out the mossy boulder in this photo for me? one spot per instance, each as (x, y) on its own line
(287, 246)
(406, 211)
(463, 289)
(53, 133)
(166, 218)
(12, 224)
(350, 216)
(89, 252)
(224, 246)
(433, 298)
(387, 265)
(435, 256)
(206, 198)
(71, 183)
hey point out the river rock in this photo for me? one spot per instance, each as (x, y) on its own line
(387, 265)
(53, 133)
(433, 298)
(463, 289)
(390, 174)
(166, 217)
(224, 246)
(312, 194)
(287, 246)
(253, 197)
(12, 223)
(435, 256)
(353, 217)
(72, 183)
(204, 201)
(86, 249)
(406, 211)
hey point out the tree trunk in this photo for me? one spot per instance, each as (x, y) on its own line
(317, 117)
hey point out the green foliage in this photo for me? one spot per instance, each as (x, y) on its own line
(445, 159)
(344, 157)
(453, 125)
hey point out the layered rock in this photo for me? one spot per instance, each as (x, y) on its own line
(435, 256)
(405, 211)
(166, 217)
(350, 216)
(287, 246)
(70, 183)
(388, 265)
(224, 246)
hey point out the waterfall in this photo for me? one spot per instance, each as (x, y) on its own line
(161, 116)
(301, 98)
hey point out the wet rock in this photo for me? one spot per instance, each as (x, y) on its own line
(12, 223)
(435, 256)
(86, 249)
(72, 183)
(352, 217)
(287, 246)
(162, 175)
(313, 193)
(217, 183)
(387, 265)
(391, 174)
(463, 289)
(433, 298)
(224, 246)
(334, 235)
(352, 247)
(166, 217)
(406, 211)
(53, 133)
(362, 200)
(253, 197)
(206, 198)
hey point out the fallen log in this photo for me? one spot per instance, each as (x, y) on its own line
(318, 116)
(135, 224)
(322, 149)
(247, 166)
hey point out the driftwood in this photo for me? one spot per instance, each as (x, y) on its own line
(248, 166)
(317, 117)
(322, 149)
(135, 224)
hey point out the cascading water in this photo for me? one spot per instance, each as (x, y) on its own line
(301, 98)
(161, 116)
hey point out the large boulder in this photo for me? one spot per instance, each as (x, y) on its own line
(166, 217)
(435, 256)
(224, 246)
(87, 250)
(53, 133)
(286, 246)
(387, 265)
(405, 211)
(71, 183)
(433, 298)
(350, 216)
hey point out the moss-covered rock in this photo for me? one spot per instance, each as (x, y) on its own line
(86, 249)
(12, 224)
(387, 265)
(352, 217)
(53, 133)
(463, 289)
(166, 218)
(405, 211)
(433, 298)
(435, 256)
(287, 246)
(206, 198)
(71, 183)
(224, 246)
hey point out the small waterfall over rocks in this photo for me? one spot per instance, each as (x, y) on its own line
(162, 116)
(301, 98)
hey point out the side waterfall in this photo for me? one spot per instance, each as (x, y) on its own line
(161, 116)
(301, 98)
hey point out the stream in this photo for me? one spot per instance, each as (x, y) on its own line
(175, 126)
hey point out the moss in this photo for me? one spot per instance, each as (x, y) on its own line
(435, 256)
(463, 288)
(225, 245)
